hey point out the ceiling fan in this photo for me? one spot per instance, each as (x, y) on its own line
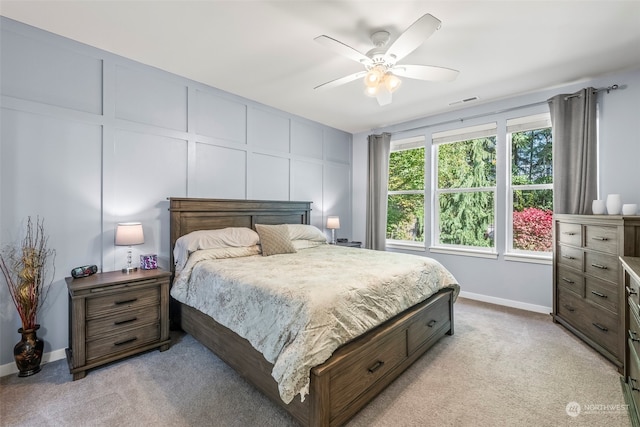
(382, 72)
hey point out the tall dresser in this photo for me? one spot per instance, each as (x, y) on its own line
(588, 280)
(631, 380)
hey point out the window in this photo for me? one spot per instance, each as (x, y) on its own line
(530, 185)
(405, 200)
(465, 187)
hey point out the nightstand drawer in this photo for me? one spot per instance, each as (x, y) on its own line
(601, 238)
(570, 234)
(602, 266)
(125, 341)
(121, 301)
(571, 280)
(117, 323)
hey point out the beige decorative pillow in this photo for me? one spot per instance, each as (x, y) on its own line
(275, 239)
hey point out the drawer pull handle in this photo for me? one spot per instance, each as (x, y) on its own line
(125, 341)
(567, 257)
(569, 233)
(431, 323)
(632, 336)
(601, 267)
(632, 381)
(631, 291)
(602, 328)
(376, 366)
(568, 307)
(122, 322)
(568, 280)
(598, 294)
(126, 301)
(602, 239)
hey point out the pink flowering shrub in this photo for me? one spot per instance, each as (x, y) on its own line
(532, 230)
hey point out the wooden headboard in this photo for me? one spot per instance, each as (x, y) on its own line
(192, 214)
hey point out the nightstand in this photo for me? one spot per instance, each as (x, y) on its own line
(350, 244)
(115, 315)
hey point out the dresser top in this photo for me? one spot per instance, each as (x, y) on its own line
(632, 265)
(114, 278)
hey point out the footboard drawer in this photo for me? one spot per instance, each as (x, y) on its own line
(373, 361)
(427, 323)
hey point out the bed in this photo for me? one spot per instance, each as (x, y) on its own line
(357, 370)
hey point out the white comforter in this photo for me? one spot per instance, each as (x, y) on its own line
(296, 309)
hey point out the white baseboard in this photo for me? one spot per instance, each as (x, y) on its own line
(506, 302)
(11, 368)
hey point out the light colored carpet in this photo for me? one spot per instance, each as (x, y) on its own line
(503, 367)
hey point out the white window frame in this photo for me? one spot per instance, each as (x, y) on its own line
(404, 145)
(521, 124)
(449, 137)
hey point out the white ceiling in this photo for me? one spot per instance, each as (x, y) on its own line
(264, 50)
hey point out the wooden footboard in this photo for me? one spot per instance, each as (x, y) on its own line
(355, 373)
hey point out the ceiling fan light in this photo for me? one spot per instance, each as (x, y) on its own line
(373, 77)
(371, 91)
(392, 82)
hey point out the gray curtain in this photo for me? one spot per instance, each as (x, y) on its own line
(378, 179)
(573, 118)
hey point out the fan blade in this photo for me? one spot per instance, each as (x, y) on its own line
(384, 97)
(343, 49)
(425, 72)
(414, 36)
(341, 80)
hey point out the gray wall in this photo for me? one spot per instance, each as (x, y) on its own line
(523, 284)
(90, 139)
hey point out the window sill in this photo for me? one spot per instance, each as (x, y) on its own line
(405, 246)
(464, 252)
(530, 258)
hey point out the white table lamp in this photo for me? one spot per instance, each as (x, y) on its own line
(333, 223)
(129, 234)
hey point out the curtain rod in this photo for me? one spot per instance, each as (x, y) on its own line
(506, 110)
(602, 89)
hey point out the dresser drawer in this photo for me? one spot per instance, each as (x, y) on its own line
(603, 328)
(601, 238)
(634, 375)
(633, 334)
(572, 308)
(598, 324)
(428, 323)
(570, 280)
(371, 364)
(571, 257)
(117, 323)
(570, 234)
(603, 266)
(125, 341)
(633, 291)
(122, 301)
(604, 294)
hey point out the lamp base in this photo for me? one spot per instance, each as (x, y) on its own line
(128, 270)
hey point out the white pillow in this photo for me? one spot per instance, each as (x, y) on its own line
(233, 237)
(306, 232)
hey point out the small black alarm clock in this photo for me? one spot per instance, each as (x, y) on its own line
(84, 271)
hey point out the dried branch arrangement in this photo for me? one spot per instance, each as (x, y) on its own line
(25, 269)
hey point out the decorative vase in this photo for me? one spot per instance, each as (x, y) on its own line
(598, 207)
(28, 352)
(614, 204)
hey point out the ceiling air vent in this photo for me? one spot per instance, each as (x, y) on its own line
(473, 98)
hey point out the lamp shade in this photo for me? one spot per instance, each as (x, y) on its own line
(129, 233)
(333, 222)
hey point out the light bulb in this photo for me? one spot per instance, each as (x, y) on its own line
(392, 82)
(374, 76)
(371, 91)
